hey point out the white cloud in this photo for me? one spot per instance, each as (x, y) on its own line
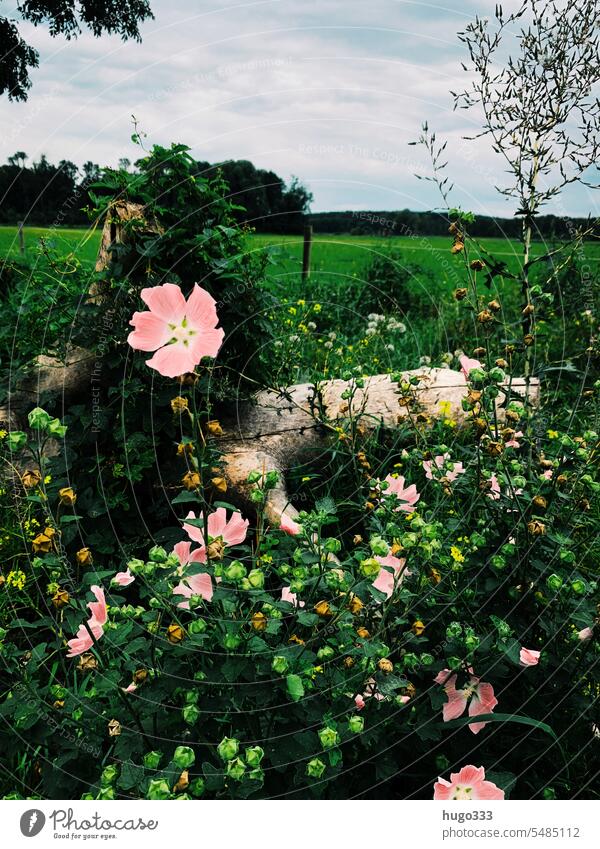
(330, 90)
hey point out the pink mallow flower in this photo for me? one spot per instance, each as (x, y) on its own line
(466, 364)
(548, 474)
(529, 657)
(513, 441)
(180, 332)
(585, 634)
(440, 465)
(200, 585)
(408, 495)
(477, 694)
(466, 785)
(183, 552)
(389, 578)
(220, 530)
(288, 595)
(371, 692)
(494, 490)
(123, 579)
(83, 641)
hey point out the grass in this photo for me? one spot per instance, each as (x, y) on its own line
(435, 323)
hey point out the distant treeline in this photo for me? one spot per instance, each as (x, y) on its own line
(45, 194)
(418, 224)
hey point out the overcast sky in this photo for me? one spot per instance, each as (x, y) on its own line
(329, 90)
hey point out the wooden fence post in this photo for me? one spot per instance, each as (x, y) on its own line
(21, 237)
(308, 232)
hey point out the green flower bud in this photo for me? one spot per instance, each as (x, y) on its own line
(411, 661)
(39, 419)
(379, 546)
(197, 787)
(498, 562)
(296, 586)
(256, 774)
(235, 571)
(236, 769)
(509, 549)
(152, 759)
(279, 664)
(228, 748)
(497, 375)
(271, 479)
(332, 545)
(579, 587)
(136, 565)
(370, 567)
(409, 540)
(191, 714)
(184, 757)
(549, 793)
(231, 642)
(326, 653)
(315, 768)
(427, 659)
(454, 663)
(245, 585)
(453, 631)
(472, 642)
(158, 789)
(567, 556)
(254, 755)
(328, 737)
(254, 476)
(554, 582)
(106, 792)
(198, 626)
(256, 579)
(172, 562)
(257, 496)
(109, 774)
(157, 553)
(356, 724)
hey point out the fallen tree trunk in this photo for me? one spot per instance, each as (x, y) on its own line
(282, 429)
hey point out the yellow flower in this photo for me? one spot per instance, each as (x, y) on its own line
(84, 557)
(258, 621)
(67, 496)
(292, 310)
(16, 579)
(301, 302)
(317, 307)
(417, 627)
(445, 408)
(214, 428)
(179, 404)
(456, 554)
(191, 480)
(552, 434)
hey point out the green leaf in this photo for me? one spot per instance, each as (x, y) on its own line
(295, 687)
(501, 717)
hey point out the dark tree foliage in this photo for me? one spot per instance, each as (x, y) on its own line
(63, 17)
(270, 205)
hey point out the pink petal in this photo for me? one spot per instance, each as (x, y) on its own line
(236, 529)
(206, 343)
(468, 775)
(483, 701)
(173, 360)
(487, 790)
(466, 364)
(98, 607)
(288, 525)
(182, 589)
(288, 595)
(456, 704)
(359, 702)
(123, 579)
(442, 789)
(201, 309)
(150, 333)
(193, 532)
(529, 657)
(585, 634)
(217, 522)
(182, 551)
(201, 585)
(166, 301)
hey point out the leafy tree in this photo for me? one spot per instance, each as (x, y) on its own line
(63, 17)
